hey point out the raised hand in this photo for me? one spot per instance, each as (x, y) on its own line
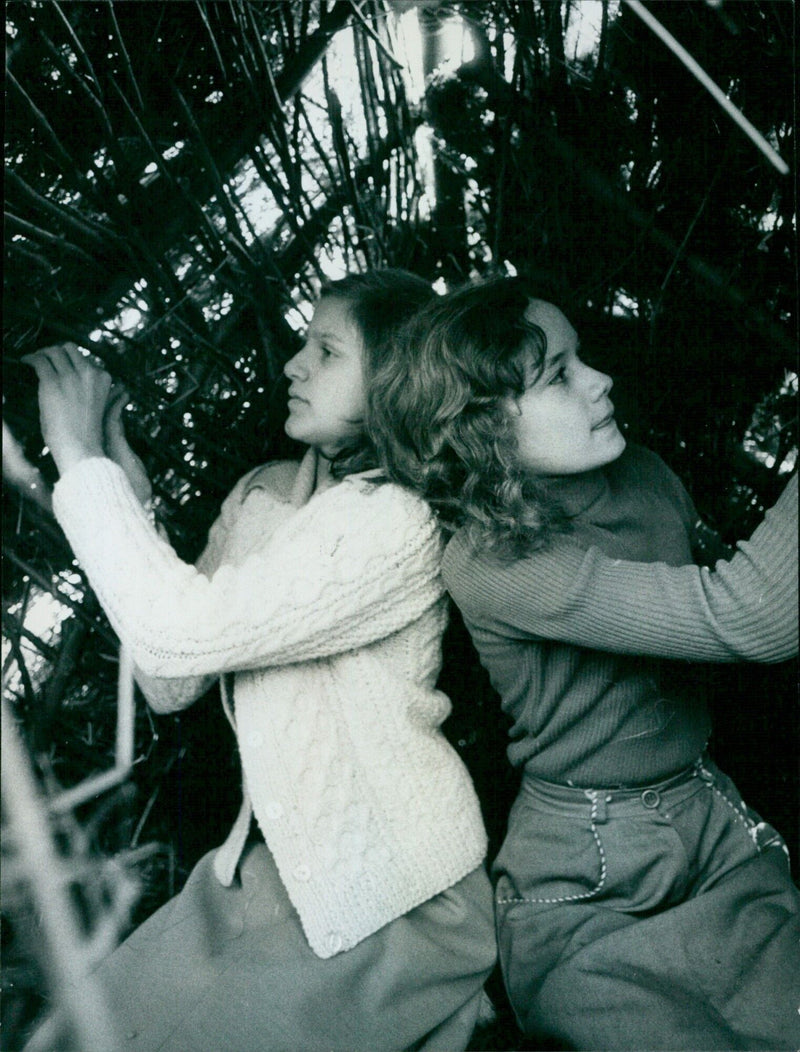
(117, 447)
(73, 393)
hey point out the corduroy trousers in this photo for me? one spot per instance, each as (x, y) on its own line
(657, 918)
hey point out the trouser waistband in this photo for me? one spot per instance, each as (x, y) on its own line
(626, 800)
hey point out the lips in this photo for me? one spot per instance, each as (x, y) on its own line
(295, 397)
(608, 419)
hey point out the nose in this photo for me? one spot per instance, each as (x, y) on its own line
(297, 367)
(598, 384)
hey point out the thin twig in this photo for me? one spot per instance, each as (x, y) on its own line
(48, 586)
(716, 92)
(123, 751)
(77, 44)
(125, 57)
(66, 955)
(35, 233)
(204, 19)
(13, 633)
(84, 226)
(65, 159)
(681, 248)
(374, 36)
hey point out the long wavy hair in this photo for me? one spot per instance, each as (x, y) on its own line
(379, 303)
(438, 413)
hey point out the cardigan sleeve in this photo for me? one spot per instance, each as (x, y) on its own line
(164, 694)
(743, 609)
(355, 564)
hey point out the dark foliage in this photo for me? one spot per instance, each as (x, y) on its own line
(179, 179)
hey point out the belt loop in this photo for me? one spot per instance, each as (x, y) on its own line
(599, 800)
(703, 772)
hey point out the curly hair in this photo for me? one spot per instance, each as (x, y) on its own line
(437, 413)
(379, 302)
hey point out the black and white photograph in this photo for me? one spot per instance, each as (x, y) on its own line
(400, 542)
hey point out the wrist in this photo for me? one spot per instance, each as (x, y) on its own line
(68, 456)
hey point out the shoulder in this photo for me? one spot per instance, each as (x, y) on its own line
(491, 590)
(478, 579)
(368, 502)
(361, 523)
(371, 487)
(276, 478)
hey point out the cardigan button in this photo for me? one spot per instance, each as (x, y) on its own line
(302, 873)
(333, 941)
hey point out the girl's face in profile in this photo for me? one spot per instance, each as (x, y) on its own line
(326, 394)
(564, 421)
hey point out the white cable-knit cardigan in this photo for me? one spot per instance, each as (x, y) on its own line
(329, 610)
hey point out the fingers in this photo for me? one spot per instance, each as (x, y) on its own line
(112, 418)
(68, 370)
(40, 363)
(59, 358)
(118, 397)
(62, 359)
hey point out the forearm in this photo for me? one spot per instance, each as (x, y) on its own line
(743, 609)
(172, 695)
(335, 579)
(169, 695)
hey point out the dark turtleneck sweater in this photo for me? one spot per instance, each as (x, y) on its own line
(574, 639)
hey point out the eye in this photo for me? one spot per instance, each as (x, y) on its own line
(559, 377)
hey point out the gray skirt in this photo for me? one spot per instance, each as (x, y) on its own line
(229, 970)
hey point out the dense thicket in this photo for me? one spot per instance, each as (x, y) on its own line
(181, 176)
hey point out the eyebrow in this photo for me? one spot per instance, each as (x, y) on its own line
(550, 364)
(323, 334)
(559, 356)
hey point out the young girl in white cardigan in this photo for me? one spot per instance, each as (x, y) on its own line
(359, 917)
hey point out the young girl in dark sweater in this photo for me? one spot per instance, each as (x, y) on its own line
(640, 903)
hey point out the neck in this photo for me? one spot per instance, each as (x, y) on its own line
(576, 493)
(324, 478)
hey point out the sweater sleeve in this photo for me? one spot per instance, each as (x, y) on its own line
(744, 609)
(175, 694)
(172, 695)
(354, 565)
(706, 544)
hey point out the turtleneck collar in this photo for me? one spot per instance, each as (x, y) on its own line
(577, 494)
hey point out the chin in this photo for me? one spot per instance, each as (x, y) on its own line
(294, 431)
(620, 444)
(613, 452)
(612, 458)
(615, 443)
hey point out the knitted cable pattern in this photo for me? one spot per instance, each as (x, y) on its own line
(331, 616)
